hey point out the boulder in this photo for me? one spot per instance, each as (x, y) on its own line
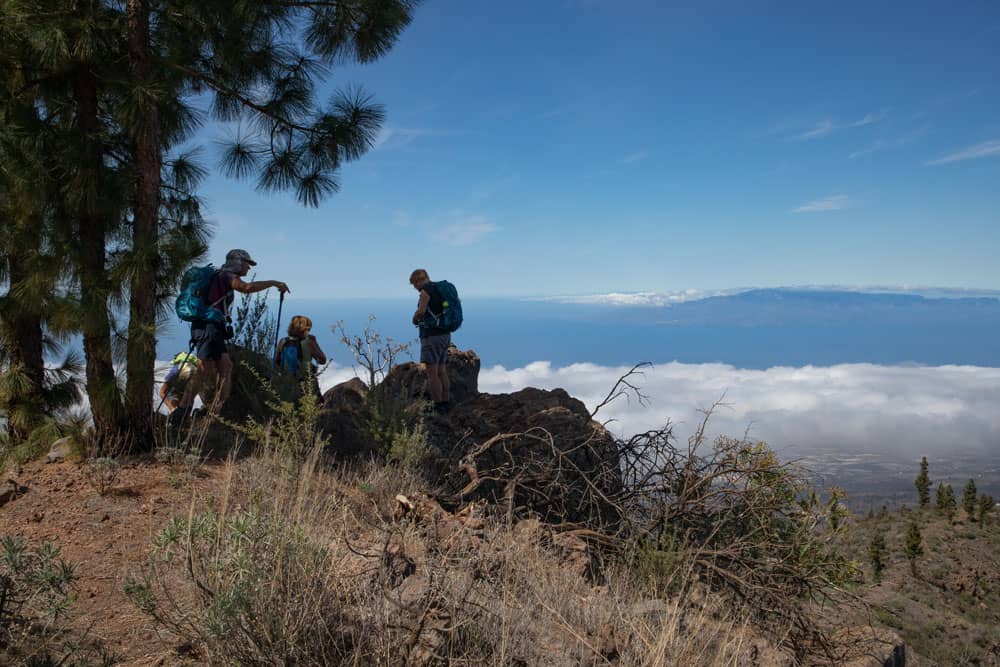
(536, 452)
(61, 450)
(409, 380)
(347, 397)
(344, 408)
(10, 490)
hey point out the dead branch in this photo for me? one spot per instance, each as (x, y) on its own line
(624, 387)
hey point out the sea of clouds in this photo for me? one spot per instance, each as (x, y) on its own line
(853, 407)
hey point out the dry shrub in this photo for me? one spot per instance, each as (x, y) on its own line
(752, 526)
(298, 563)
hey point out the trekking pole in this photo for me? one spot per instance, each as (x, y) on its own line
(277, 328)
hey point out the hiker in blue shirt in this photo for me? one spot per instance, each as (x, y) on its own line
(209, 337)
(434, 340)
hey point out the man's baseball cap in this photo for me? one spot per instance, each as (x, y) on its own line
(239, 255)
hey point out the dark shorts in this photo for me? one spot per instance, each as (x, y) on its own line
(209, 340)
(434, 349)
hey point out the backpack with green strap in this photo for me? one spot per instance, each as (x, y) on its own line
(450, 317)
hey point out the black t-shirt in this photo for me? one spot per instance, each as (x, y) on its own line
(435, 306)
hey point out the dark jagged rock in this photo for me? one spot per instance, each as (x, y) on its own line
(247, 397)
(409, 380)
(344, 407)
(534, 451)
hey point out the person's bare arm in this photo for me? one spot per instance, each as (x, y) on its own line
(317, 353)
(166, 399)
(425, 299)
(257, 285)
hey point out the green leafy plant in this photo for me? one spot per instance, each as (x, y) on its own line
(294, 427)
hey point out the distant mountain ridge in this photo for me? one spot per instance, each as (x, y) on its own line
(784, 306)
(652, 298)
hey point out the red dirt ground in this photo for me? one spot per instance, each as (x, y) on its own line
(107, 538)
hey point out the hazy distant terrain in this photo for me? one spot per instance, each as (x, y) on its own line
(859, 385)
(752, 329)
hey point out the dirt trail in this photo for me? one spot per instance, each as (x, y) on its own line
(107, 538)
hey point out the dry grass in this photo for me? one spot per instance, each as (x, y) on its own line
(295, 562)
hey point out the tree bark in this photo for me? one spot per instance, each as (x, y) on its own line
(25, 352)
(92, 230)
(145, 214)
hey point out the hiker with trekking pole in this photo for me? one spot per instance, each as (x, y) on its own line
(205, 298)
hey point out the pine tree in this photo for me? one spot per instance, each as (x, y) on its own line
(876, 555)
(116, 82)
(923, 484)
(913, 547)
(969, 500)
(33, 311)
(986, 505)
(945, 501)
(261, 62)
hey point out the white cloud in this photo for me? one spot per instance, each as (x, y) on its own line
(827, 127)
(635, 157)
(664, 299)
(394, 137)
(985, 149)
(877, 146)
(854, 407)
(466, 232)
(869, 119)
(834, 203)
(641, 298)
(822, 129)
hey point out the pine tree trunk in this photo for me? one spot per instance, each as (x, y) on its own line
(92, 231)
(25, 353)
(142, 307)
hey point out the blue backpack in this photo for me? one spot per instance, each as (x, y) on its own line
(290, 355)
(192, 301)
(450, 317)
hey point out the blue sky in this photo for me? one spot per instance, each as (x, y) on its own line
(573, 147)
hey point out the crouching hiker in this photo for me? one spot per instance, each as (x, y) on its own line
(438, 314)
(183, 367)
(299, 354)
(211, 328)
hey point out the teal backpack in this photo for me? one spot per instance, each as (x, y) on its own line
(450, 317)
(192, 300)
